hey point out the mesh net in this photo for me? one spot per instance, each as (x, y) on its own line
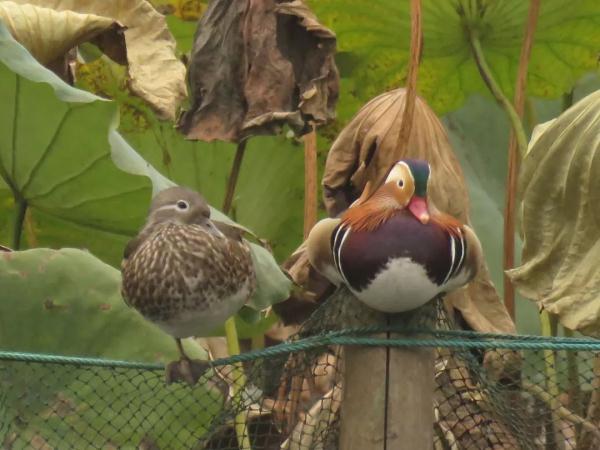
(490, 393)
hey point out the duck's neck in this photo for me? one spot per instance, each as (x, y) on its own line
(379, 208)
(371, 214)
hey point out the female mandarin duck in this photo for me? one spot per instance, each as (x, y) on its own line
(186, 273)
(393, 249)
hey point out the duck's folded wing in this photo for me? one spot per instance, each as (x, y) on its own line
(474, 256)
(319, 252)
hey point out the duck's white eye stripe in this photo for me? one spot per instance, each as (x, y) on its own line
(166, 207)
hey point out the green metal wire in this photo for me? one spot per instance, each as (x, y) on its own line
(458, 339)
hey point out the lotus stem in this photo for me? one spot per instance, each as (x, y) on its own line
(310, 181)
(492, 84)
(567, 99)
(562, 412)
(233, 176)
(575, 398)
(518, 140)
(416, 44)
(521, 144)
(238, 387)
(549, 329)
(233, 345)
(515, 155)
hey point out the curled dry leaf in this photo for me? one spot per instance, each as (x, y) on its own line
(464, 409)
(368, 146)
(311, 432)
(49, 35)
(366, 149)
(302, 302)
(155, 73)
(560, 191)
(257, 65)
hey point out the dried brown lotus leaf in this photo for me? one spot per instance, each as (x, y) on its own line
(49, 35)
(560, 192)
(155, 73)
(366, 149)
(368, 146)
(257, 65)
(302, 302)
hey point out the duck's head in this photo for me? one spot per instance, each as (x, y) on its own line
(405, 187)
(182, 206)
(407, 182)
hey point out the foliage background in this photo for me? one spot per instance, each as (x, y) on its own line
(78, 198)
(373, 41)
(373, 50)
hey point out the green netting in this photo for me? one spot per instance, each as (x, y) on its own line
(492, 392)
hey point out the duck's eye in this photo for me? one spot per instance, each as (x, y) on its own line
(401, 183)
(182, 205)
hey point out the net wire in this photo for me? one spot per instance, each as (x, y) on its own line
(506, 392)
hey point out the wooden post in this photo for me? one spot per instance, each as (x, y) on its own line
(388, 393)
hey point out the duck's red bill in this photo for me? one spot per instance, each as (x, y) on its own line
(418, 206)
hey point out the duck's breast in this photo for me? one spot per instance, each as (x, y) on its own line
(399, 266)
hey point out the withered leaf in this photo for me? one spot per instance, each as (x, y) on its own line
(318, 421)
(49, 35)
(560, 191)
(257, 65)
(155, 73)
(365, 150)
(368, 146)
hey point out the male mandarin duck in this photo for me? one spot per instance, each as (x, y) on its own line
(186, 273)
(393, 249)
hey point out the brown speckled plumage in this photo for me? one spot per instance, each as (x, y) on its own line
(182, 272)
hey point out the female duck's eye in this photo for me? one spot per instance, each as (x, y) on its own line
(401, 183)
(182, 205)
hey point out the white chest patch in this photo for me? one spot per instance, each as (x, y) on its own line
(400, 286)
(198, 323)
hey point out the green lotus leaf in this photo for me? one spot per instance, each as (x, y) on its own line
(68, 302)
(374, 41)
(65, 174)
(74, 302)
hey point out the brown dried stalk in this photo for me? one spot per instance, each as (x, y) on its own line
(416, 43)
(514, 158)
